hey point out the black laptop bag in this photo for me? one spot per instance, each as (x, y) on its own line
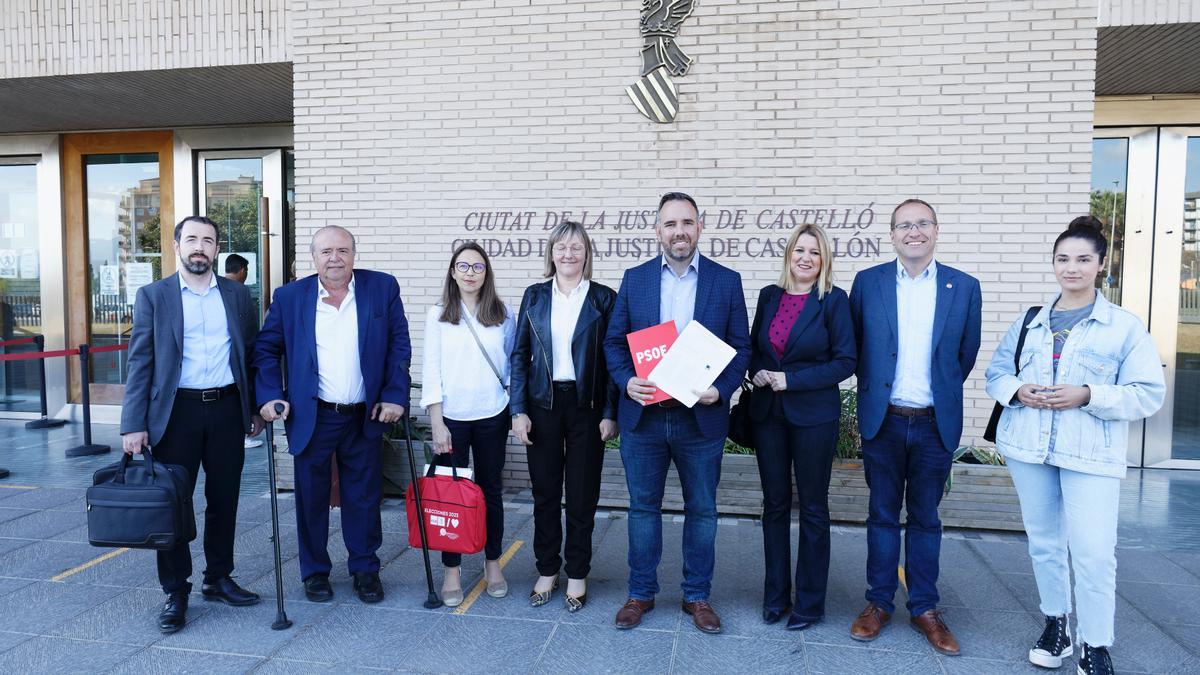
(140, 504)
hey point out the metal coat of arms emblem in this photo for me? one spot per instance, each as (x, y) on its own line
(654, 94)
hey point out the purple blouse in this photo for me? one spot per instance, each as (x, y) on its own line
(785, 317)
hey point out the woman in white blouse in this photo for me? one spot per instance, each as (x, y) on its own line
(468, 339)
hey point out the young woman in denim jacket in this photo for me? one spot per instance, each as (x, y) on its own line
(1087, 369)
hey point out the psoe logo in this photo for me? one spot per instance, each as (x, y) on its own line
(654, 94)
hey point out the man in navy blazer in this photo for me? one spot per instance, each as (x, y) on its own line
(679, 286)
(345, 340)
(917, 324)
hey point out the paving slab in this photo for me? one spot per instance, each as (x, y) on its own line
(576, 648)
(43, 605)
(163, 660)
(62, 655)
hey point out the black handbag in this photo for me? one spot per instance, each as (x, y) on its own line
(989, 434)
(140, 504)
(741, 428)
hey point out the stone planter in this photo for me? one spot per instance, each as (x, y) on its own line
(982, 497)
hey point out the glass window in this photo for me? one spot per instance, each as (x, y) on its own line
(1185, 441)
(20, 284)
(233, 195)
(124, 249)
(1110, 168)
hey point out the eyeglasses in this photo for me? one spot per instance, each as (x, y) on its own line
(562, 249)
(464, 267)
(920, 225)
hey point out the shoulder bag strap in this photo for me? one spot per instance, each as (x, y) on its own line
(1029, 314)
(495, 371)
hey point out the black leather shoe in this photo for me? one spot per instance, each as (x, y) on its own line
(317, 588)
(774, 615)
(367, 585)
(174, 613)
(799, 623)
(227, 591)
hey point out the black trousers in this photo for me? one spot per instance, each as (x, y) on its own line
(807, 453)
(565, 445)
(208, 434)
(486, 439)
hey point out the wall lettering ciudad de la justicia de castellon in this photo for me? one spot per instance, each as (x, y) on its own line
(629, 233)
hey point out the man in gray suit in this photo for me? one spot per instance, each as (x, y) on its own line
(189, 394)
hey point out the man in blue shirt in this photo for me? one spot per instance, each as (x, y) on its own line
(917, 324)
(189, 395)
(679, 286)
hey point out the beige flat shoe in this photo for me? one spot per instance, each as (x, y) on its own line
(498, 589)
(452, 598)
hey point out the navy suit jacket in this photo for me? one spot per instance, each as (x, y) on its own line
(820, 352)
(720, 307)
(290, 330)
(956, 328)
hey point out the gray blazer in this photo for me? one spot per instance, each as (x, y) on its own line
(156, 353)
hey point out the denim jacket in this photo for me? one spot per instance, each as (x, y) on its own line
(1113, 355)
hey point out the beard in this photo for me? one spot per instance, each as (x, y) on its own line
(196, 264)
(670, 250)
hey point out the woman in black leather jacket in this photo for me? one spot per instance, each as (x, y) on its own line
(564, 407)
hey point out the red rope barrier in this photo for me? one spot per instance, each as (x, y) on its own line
(109, 348)
(39, 355)
(62, 352)
(17, 341)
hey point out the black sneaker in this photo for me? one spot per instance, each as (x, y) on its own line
(1054, 645)
(1095, 661)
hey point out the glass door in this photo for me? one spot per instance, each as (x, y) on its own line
(1173, 435)
(1123, 197)
(242, 192)
(20, 282)
(119, 225)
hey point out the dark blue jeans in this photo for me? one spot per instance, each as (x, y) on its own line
(905, 461)
(662, 436)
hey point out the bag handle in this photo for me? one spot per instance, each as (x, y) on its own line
(434, 464)
(495, 371)
(119, 477)
(1029, 314)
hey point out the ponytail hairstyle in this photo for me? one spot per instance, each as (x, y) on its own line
(1088, 228)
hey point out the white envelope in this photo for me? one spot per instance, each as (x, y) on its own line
(692, 363)
(443, 470)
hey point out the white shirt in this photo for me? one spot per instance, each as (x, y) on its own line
(916, 300)
(339, 371)
(564, 314)
(454, 372)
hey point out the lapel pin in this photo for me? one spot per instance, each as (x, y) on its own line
(949, 285)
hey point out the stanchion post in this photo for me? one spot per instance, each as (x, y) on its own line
(46, 422)
(88, 448)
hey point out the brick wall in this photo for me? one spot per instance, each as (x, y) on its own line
(1142, 12)
(411, 116)
(70, 37)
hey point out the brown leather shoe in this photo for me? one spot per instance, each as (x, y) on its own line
(868, 624)
(630, 615)
(703, 615)
(936, 631)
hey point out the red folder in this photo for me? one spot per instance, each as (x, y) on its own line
(647, 347)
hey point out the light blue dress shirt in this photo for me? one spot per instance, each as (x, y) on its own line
(916, 302)
(205, 339)
(677, 299)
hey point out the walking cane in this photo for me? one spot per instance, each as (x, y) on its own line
(432, 602)
(281, 620)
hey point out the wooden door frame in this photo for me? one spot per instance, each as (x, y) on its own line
(75, 234)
